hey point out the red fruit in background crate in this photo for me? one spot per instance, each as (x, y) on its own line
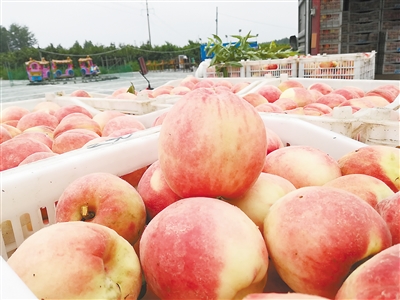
(212, 144)
(382, 162)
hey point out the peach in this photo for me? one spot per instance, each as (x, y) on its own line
(119, 91)
(358, 90)
(95, 141)
(35, 119)
(92, 262)
(158, 121)
(269, 92)
(154, 190)
(205, 83)
(224, 82)
(14, 131)
(358, 103)
(392, 88)
(377, 101)
(258, 199)
(347, 93)
(269, 107)
(39, 136)
(377, 278)
(103, 117)
(189, 84)
(113, 203)
(190, 78)
(72, 139)
(316, 234)
(80, 93)
(47, 106)
(301, 96)
(316, 94)
(302, 165)
(134, 177)
(382, 162)
(180, 90)
(122, 122)
(13, 123)
(296, 111)
(274, 141)
(69, 109)
(49, 131)
(37, 156)
(5, 135)
(201, 145)
(286, 103)
(162, 90)
(76, 121)
(319, 107)
(321, 87)
(284, 85)
(206, 240)
(13, 113)
(278, 296)
(388, 208)
(332, 100)
(16, 150)
(237, 87)
(126, 96)
(386, 93)
(255, 99)
(370, 189)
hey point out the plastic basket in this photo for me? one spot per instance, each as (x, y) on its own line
(342, 66)
(392, 46)
(363, 27)
(272, 67)
(392, 35)
(212, 72)
(369, 37)
(391, 58)
(389, 25)
(391, 69)
(364, 16)
(356, 48)
(360, 6)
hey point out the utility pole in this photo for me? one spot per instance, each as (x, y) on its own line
(148, 22)
(216, 22)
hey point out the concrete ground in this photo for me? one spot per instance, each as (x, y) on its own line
(22, 90)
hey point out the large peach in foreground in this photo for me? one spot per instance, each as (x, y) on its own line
(213, 250)
(377, 278)
(78, 260)
(204, 145)
(316, 234)
(105, 199)
(388, 208)
(302, 165)
(382, 162)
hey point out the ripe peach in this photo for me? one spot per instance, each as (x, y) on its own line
(92, 262)
(5, 135)
(377, 278)
(119, 91)
(39, 136)
(301, 96)
(332, 100)
(224, 83)
(126, 96)
(319, 107)
(388, 208)
(255, 99)
(80, 93)
(47, 106)
(13, 113)
(42, 128)
(358, 90)
(274, 141)
(35, 119)
(113, 203)
(180, 90)
(316, 234)
(37, 156)
(382, 162)
(367, 187)
(72, 139)
(122, 122)
(377, 101)
(348, 94)
(16, 150)
(154, 190)
(286, 103)
(13, 131)
(388, 94)
(269, 107)
(134, 177)
(162, 90)
(284, 85)
(206, 240)
(302, 165)
(158, 121)
(76, 121)
(322, 87)
(205, 83)
(103, 117)
(69, 109)
(237, 87)
(316, 94)
(269, 92)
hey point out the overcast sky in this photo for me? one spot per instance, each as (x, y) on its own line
(126, 22)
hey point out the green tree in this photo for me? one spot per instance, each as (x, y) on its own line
(4, 40)
(20, 37)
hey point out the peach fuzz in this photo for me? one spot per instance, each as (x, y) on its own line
(372, 190)
(377, 278)
(286, 103)
(105, 267)
(284, 85)
(283, 296)
(13, 113)
(388, 208)
(154, 190)
(14, 131)
(255, 99)
(72, 139)
(47, 106)
(256, 202)
(211, 250)
(80, 93)
(134, 177)
(237, 87)
(316, 234)
(332, 100)
(39, 136)
(16, 150)
(69, 109)
(35, 119)
(76, 121)
(122, 122)
(216, 123)
(269, 107)
(321, 87)
(301, 96)
(37, 156)
(382, 162)
(269, 92)
(5, 135)
(103, 117)
(113, 203)
(302, 165)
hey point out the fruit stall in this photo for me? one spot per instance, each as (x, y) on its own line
(204, 188)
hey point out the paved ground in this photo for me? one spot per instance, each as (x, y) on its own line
(22, 90)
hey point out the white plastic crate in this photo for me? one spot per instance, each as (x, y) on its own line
(340, 66)
(271, 67)
(213, 72)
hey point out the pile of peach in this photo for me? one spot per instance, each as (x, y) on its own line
(50, 129)
(291, 97)
(227, 211)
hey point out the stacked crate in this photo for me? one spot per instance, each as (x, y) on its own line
(330, 26)
(389, 50)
